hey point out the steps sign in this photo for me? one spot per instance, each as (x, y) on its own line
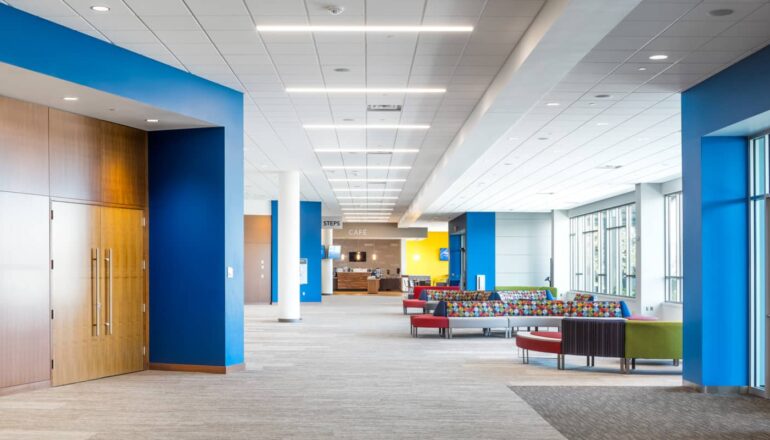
(331, 223)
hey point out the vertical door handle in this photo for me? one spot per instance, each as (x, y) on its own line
(108, 280)
(95, 304)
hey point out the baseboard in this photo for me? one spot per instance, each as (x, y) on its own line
(716, 389)
(25, 387)
(190, 368)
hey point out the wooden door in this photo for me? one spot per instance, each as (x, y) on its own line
(123, 251)
(256, 259)
(76, 294)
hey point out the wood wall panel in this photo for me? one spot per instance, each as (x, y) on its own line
(124, 165)
(24, 299)
(23, 147)
(76, 150)
(256, 259)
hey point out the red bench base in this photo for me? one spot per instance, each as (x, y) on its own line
(544, 342)
(414, 304)
(429, 321)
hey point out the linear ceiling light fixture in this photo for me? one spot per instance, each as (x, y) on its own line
(368, 150)
(367, 167)
(360, 28)
(368, 197)
(100, 8)
(367, 180)
(399, 90)
(367, 189)
(367, 203)
(366, 126)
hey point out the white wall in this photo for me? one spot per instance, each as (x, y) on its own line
(522, 248)
(256, 207)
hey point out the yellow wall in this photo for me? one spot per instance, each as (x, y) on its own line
(422, 257)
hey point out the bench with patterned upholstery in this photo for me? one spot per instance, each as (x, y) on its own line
(414, 302)
(515, 295)
(523, 313)
(580, 296)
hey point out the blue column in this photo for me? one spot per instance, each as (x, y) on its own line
(310, 247)
(479, 231)
(716, 267)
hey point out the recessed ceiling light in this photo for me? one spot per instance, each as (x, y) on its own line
(602, 124)
(153, 121)
(405, 90)
(71, 98)
(720, 12)
(100, 8)
(348, 120)
(367, 150)
(513, 139)
(507, 164)
(642, 69)
(658, 57)
(545, 193)
(366, 127)
(602, 96)
(553, 104)
(313, 28)
(367, 203)
(367, 167)
(608, 167)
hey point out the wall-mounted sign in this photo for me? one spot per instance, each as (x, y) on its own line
(303, 270)
(331, 223)
(379, 231)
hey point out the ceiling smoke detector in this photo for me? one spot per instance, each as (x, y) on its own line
(335, 10)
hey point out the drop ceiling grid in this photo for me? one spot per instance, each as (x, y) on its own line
(597, 74)
(589, 155)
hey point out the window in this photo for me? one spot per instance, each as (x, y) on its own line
(673, 260)
(758, 190)
(603, 252)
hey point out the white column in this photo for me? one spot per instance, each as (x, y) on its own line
(560, 272)
(288, 247)
(327, 265)
(650, 249)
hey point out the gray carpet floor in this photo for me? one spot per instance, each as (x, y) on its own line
(598, 413)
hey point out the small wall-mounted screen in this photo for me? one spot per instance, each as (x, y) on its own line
(357, 257)
(334, 252)
(443, 254)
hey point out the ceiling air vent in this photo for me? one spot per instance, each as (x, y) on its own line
(383, 108)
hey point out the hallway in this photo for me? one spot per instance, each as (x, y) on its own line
(349, 370)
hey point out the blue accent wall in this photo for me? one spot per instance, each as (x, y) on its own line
(479, 231)
(309, 247)
(715, 175)
(195, 184)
